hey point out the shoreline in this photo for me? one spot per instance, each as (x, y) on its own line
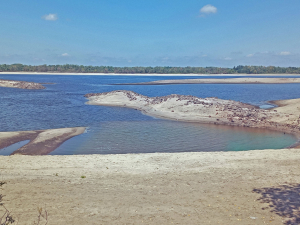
(209, 110)
(156, 188)
(140, 74)
(42, 142)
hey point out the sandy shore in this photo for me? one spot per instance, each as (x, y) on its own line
(245, 80)
(209, 110)
(20, 84)
(142, 74)
(160, 188)
(42, 142)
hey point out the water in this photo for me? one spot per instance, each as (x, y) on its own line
(10, 149)
(122, 130)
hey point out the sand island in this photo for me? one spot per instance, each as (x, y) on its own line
(284, 118)
(20, 84)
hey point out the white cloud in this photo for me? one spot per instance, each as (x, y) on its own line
(284, 53)
(250, 55)
(208, 9)
(65, 54)
(51, 17)
(227, 58)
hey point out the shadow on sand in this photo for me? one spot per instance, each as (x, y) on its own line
(283, 200)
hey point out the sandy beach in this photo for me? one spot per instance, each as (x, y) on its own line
(244, 80)
(253, 187)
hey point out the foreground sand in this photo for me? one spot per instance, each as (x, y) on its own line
(159, 188)
(244, 80)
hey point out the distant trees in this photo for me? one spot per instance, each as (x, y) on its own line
(70, 68)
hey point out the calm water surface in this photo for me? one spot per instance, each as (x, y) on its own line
(121, 130)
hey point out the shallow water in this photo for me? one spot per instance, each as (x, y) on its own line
(122, 130)
(10, 149)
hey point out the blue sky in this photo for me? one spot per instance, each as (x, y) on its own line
(150, 33)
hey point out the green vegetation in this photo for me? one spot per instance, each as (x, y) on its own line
(69, 68)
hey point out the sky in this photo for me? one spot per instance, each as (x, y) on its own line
(150, 32)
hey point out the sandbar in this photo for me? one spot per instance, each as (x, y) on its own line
(42, 142)
(20, 84)
(241, 80)
(284, 118)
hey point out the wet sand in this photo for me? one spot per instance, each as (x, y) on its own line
(42, 142)
(160, 188)
(222, 81)
(20, 84)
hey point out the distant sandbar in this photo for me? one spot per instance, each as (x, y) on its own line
(144, 74)
(243, 80)
(20, 84)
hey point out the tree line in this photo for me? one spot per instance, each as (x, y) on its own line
(70, 68)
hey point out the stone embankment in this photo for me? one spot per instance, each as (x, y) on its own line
(209, 110)
(20, 84)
